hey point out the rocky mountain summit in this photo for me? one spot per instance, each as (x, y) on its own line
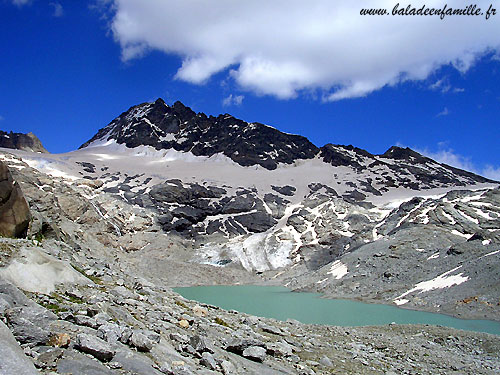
(179, 128)
(165, 197)
(20, 141)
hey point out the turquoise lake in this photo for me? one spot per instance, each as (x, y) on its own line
(282, 304)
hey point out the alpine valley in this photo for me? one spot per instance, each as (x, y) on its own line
(164, 197)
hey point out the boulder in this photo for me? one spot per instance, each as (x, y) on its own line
(29, 324)
(12, 358)
(140, 341)
(255, 353)
(110, 332)
(77, 363)
(14, 210)
(94, 346)
(134, 363)
(227, 367)
(237, 345)
(208, 361)
(48, 359)
(325, 361)
(200, 344)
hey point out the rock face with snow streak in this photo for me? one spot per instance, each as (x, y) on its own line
(428, 253)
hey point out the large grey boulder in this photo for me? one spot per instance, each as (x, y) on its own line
(208, 361)
(12, 358)
(12, 295)
(29, 324)
(135, 363)
(76, 363)
(255, 353)
(14, 210)
(110, 332)
(140, 341)
(200, 344)
(94, 346)
(238, 345)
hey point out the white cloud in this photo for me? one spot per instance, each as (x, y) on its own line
(2, 118)
(285, 47)
(444, 112)
(58, 10)
(491, 172)
(441, 85)
(450, 157)
(233, 100)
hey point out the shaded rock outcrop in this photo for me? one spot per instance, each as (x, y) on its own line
(14, 210)
(21, 141)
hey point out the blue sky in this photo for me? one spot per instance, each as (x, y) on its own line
(68, 68)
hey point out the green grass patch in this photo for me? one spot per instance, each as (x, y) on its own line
(222, 322)
(181, 304)
(53, 307)
(95, 279)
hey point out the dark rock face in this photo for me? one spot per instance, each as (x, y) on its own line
(338, 155)
(400, 164)
(14, 210)
(189, 208)
(20, 141)
(178, 127)
(285, 190)
(256, 221)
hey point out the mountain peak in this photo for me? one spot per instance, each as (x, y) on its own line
(400, 153)
(178, 127)
(21, 141)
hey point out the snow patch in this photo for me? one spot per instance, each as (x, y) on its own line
(433, 256)
(457, 233)
(440, 282)
(338, 270)
(400, 302)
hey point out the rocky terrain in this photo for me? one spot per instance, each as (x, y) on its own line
(165, 197)
(120, 325)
